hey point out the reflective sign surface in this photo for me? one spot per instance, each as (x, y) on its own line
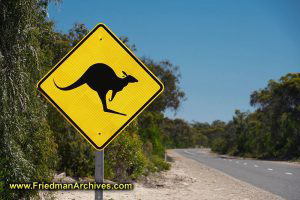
(100, 86)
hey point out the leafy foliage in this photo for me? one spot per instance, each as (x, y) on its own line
(273, 130)
(140, 143)
(178, 133)
(27, 147)
(76, 155)
(125, 156)
(36, 140)
(170, 76)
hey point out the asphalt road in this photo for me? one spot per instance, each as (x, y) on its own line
(278, 178)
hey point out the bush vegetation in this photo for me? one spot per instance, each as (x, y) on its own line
(272, 131)
(36, 141)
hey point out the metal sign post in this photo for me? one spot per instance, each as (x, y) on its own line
(99, 173)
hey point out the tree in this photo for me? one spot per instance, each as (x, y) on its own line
(27, 148)
(169, 74)
(273, 130)
(178, 133)
(69, 141)
(279, 105)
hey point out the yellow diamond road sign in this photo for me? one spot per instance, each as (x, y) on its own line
(100, 86)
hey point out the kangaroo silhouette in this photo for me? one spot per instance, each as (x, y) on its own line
(102, 78)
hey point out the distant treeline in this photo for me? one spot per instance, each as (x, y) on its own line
(272, 131)
(36, 141)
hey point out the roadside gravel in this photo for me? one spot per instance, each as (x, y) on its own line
(187, 179)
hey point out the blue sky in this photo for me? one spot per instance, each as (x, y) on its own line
(225, 49)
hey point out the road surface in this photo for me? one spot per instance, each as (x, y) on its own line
(186, 180)
(279, 178)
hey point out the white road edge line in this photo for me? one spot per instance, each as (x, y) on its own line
(288, 173)
(256, 166)
(270, 169)
(188, 152)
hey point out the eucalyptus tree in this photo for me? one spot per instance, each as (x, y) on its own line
(27, 148)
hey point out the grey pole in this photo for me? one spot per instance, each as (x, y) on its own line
(99, 173)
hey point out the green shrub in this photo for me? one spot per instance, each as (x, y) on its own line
(124, 157)
(159, 163)
(75, 153)
(219, 145)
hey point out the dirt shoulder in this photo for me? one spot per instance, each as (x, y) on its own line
(187, 179)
